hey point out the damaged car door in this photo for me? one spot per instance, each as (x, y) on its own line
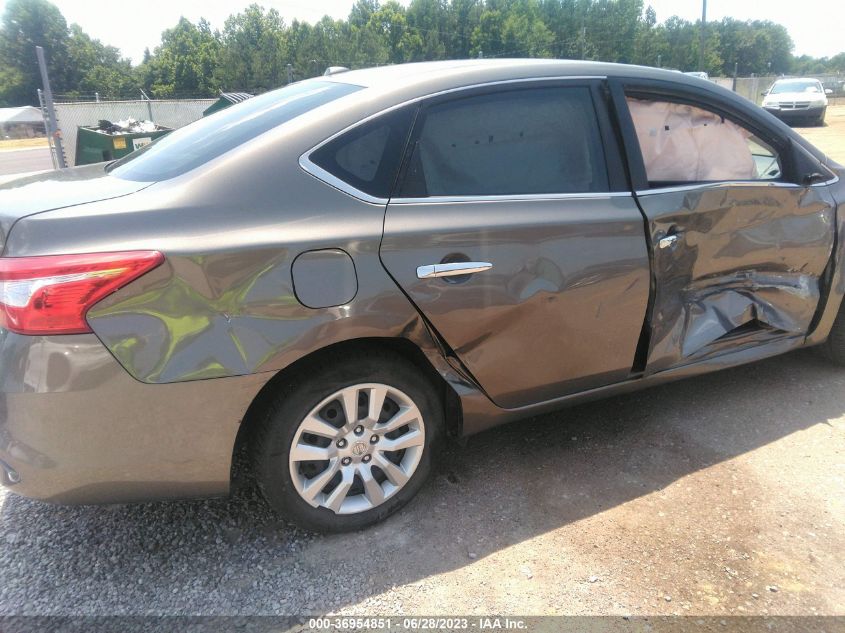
(515, 233)
(739, 241)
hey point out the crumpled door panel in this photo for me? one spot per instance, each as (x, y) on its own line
(745, 267)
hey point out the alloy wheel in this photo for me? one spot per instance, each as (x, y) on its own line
(357, 448)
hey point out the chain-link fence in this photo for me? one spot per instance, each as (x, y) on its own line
(172, 113)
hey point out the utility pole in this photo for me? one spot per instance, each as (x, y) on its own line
(290, 73)
(54, 131)
(701, 36)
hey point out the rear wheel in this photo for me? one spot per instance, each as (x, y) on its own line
(348, 444)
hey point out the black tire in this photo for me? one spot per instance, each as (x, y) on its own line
(820, 119)
(833, 348)
(280, 420)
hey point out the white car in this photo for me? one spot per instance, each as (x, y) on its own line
(802, 98)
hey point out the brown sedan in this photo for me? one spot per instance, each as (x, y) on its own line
(341, 273)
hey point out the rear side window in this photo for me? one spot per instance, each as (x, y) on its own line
(525, 141)
(367, 157)
(193, 145)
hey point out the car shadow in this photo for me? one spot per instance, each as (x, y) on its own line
(234, 556)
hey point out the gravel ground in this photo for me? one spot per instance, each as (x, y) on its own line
(830, 138)
(716, 495)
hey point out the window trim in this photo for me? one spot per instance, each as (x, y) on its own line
(319, 173)
(718, 184)
(513, 197)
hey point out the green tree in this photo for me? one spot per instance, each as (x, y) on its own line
(486, 37)
(836, 63)
(611, 29)
(391, 25)
(361, 12)
(255, 46)
(428, 19)
(94, 67)
(759, 47)
(185, 63)
(253, 54)
(650, 45)
(463, 17)
(27, 24)
(525, 34)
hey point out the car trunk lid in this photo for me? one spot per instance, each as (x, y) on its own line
(58, 189)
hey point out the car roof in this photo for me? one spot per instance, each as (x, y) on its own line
(457, 73)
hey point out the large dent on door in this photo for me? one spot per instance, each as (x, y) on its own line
(744, 269)
(747, 304)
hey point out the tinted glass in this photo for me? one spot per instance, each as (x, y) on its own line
(529, 141)
(197, 143)
(368, 156)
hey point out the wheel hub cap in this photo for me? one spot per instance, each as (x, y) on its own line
(357, 448)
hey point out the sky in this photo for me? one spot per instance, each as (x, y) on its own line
(817, 26)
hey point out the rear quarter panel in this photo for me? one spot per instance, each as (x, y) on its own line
(223, 304)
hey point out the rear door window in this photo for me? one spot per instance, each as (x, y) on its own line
(515, 142)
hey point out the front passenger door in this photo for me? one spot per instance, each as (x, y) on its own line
(506, 189)
(739, 245)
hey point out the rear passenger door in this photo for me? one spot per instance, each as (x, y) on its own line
(514, 232)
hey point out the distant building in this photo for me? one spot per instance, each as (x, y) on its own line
(25, 122)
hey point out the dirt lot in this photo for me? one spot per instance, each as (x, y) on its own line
(721, 495)
(830, 138)
(717, 495)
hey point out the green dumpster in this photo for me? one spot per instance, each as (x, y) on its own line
(95, 144)
(226, 99)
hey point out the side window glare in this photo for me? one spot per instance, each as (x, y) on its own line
(681, 143)
(520, 141)
(194, 145)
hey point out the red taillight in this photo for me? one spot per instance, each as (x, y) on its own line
(53, 293)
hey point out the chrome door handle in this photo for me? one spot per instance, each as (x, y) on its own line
(452, 269)
(669, 240)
